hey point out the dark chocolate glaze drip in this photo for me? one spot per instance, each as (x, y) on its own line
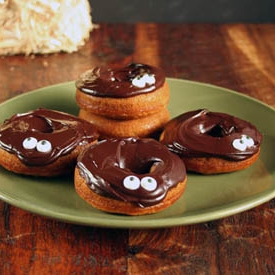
(202, 133)
(117, 82)
(62, 130)
(106, 164)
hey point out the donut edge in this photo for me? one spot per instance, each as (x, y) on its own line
(125, 108)
(111, 205)
(150, 125)
(214, 165)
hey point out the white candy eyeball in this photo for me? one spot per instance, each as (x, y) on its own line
(239, 144)
(248, 140)
(150, 79)
(149, 183)
(131, 182)
(29, 143)
(44, 146)
(138, 82)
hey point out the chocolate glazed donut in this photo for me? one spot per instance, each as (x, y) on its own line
(129, 92)
(41, 137)
(128, 81)
(204, 134)
(131, 176)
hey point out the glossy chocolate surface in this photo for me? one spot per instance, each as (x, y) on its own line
(107, 164)
(62, 131)
(118, 82)
(202, 133)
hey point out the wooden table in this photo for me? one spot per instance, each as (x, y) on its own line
(236, 56)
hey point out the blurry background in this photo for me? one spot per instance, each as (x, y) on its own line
(189, 11)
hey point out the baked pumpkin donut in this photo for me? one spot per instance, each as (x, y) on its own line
(43, 142)
(134, 91)
(129, 176)
(212, 142)
(148, 126)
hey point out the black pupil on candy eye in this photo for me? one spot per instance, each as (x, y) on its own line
(149, 180)
(131, 178)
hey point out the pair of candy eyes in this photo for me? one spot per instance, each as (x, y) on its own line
(42, 146)
(243, 143)
(141, 81)
(133, 183)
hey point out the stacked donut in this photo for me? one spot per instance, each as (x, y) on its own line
(123, 102)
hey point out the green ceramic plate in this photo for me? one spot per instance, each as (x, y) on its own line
(206, 197)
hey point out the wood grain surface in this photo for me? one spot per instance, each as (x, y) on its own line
(236, 56)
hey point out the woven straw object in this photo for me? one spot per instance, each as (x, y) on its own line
(43, 26)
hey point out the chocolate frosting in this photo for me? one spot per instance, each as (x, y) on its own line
(63, 132)
(202, 133)
(107, 165)
(117, 82)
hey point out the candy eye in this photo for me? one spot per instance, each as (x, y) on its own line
(44, 146)
(29, 143)
(247, 140)
(131, 182)
(239, 145)
(149, 183)
(150, 79)
(138, 82)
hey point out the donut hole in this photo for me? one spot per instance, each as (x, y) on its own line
(221, 130)
(142, 167)
(36, 124)
(41, 124)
